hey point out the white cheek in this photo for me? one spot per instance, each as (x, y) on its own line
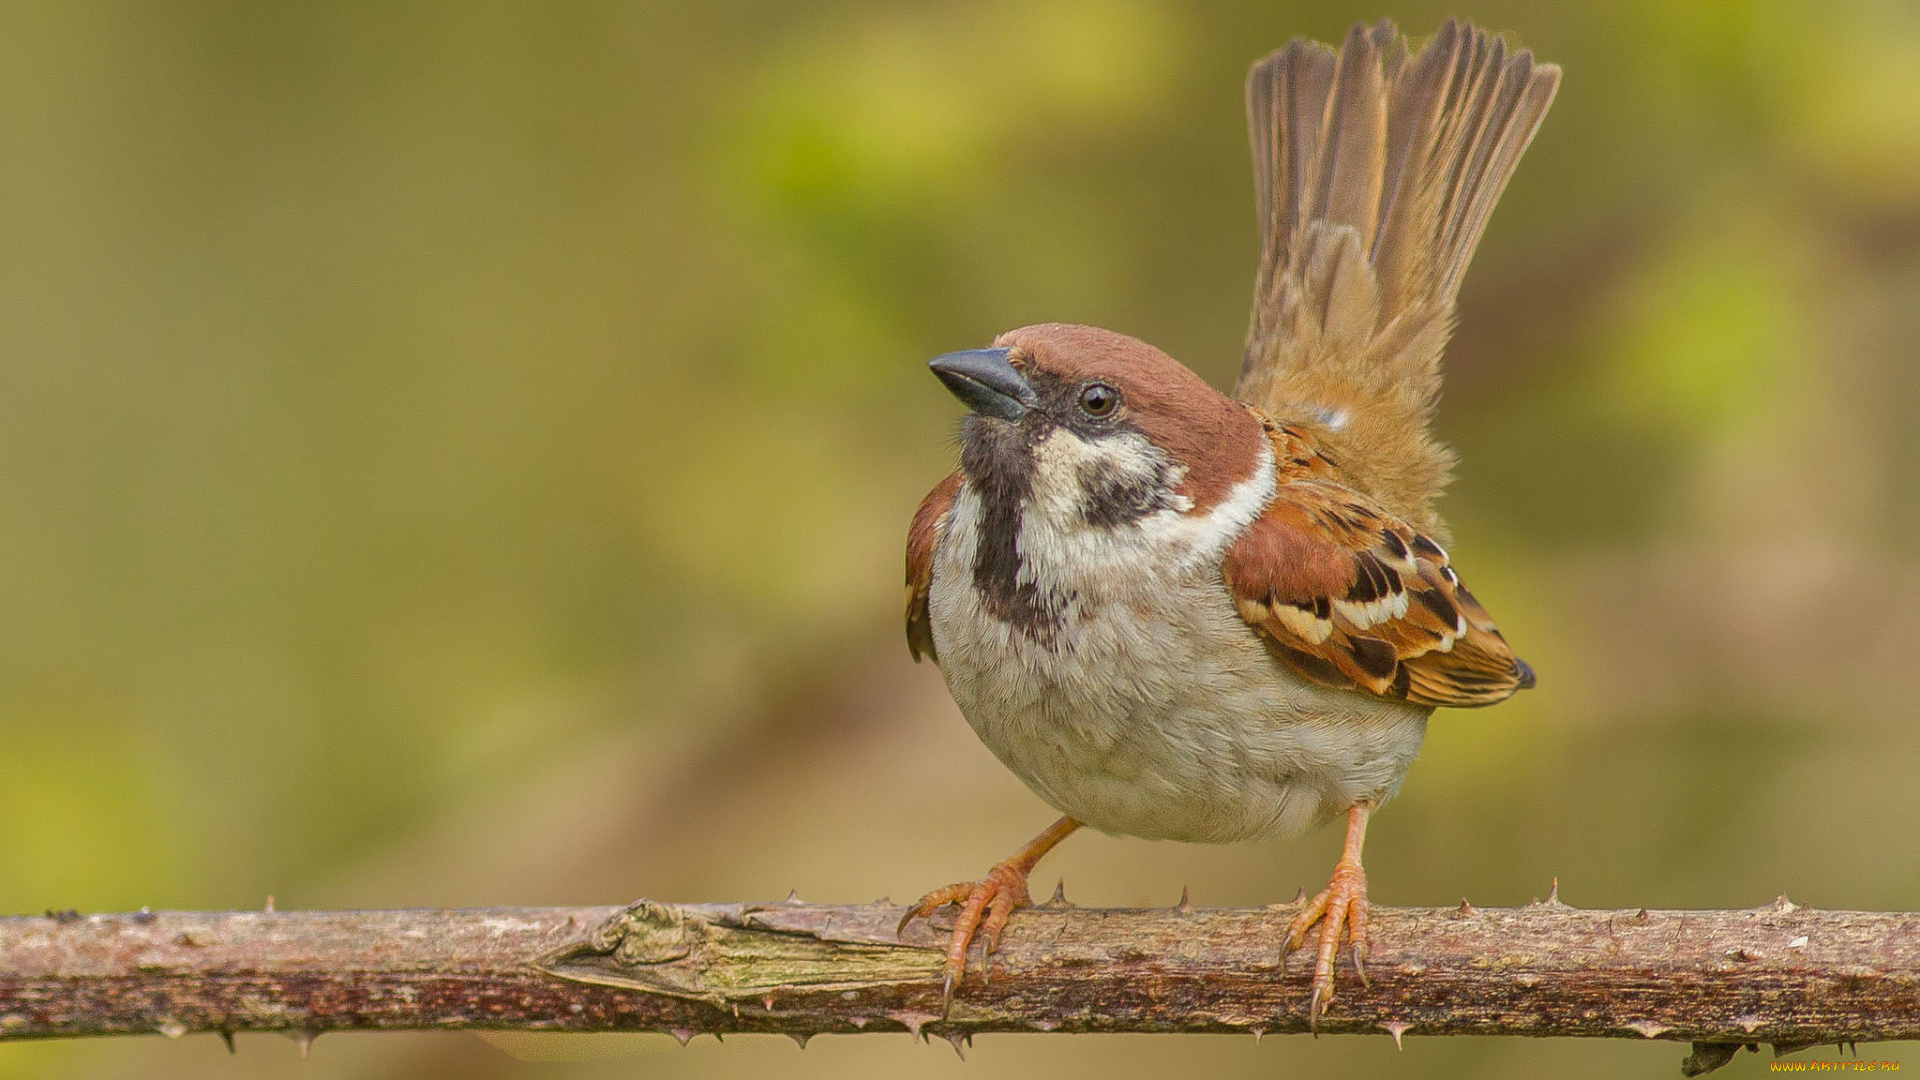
(1063, 459)
(1057, 461)
(1063, 553)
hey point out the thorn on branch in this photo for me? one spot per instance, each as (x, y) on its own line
(1706, 1057)
(792, 968)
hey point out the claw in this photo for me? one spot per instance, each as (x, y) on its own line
(985, 905)
(1341, 906)
(932, 902)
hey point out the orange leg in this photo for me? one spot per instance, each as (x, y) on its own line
(1342, 904)
(986, 903)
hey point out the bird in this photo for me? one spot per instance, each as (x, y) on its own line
(1181, 614)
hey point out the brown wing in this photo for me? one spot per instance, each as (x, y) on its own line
(1348, 595)
(920, 539)
(1375, 171)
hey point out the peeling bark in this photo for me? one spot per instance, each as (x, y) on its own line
(1779, 974)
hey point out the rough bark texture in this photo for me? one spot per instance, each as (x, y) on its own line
(1780, 974)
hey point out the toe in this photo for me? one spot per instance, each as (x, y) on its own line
(998, 911)
(1303, 922)
(973, 911)
(1357, 933)
(1341, 908)
(1330, 928)
(985, 907)
(934, 901)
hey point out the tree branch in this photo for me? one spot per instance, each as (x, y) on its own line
(1780, 974)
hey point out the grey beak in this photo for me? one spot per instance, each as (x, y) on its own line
(987, 382)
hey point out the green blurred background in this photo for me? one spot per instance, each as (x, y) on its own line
(460, 454)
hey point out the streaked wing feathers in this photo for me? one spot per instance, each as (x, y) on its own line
(1347, 595)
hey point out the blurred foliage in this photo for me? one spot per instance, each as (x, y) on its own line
(419, 419)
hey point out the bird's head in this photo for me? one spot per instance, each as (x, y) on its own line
(1093, 429)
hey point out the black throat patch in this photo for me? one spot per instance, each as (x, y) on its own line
(997, 458)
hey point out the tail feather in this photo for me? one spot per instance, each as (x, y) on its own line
(1347, 184)
(1375, 172)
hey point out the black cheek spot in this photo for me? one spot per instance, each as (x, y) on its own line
(1112, 498)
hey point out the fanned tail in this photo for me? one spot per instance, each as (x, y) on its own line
(1375, 172)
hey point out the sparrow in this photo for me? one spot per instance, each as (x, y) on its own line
(1181, 615)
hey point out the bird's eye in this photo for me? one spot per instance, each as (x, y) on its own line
(1099, 399)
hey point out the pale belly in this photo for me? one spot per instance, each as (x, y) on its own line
(1158, 713)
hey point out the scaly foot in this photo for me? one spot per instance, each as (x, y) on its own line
(985, 905)
(1341, 905)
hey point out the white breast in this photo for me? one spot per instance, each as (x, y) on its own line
(1154, 710)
